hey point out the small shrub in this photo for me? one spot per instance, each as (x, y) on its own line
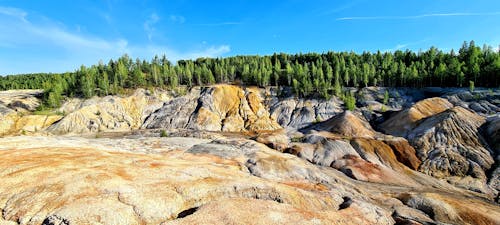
(397, 95)
(350, 101)
(318, 119)
(383, 108)
(163, 133)
(471, 86)
(386, 97)
(297, 139)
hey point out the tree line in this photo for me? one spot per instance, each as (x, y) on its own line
(310, 74)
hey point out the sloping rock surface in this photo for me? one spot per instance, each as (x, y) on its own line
(451, 146)
(346, 124)
(404, 121)
(217, 108)
(108, 113)
(72, 180)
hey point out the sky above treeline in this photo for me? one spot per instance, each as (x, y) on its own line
(59, 35)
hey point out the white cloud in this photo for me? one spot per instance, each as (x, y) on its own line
(418, 16)
(149, 25)
(175, 55)
(27, 46)
(341, 8)
(218, 24)
(8, 11)
(402, 46)
(177, 19)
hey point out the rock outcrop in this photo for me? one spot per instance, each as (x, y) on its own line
(404, 121)
(72, 180)
(21, 100)
(481, 101)
(82, 185)
(452, 148)
(15, 109)
(348, 143)
(8, 118)
(346, 124)
(300, 113)
(232, 153)
(107, 113)
(217, 108)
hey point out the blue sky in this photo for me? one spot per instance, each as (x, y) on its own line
(59, 36)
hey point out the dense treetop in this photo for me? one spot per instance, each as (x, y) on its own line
(319, 74)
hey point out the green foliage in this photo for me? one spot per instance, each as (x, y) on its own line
(163, 133)
(471, 86)
(309, 74)
(318, 119)
(386, 97)
(350, 101)
(383, 108)
(296, 139)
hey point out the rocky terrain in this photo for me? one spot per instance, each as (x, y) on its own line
(243, 155)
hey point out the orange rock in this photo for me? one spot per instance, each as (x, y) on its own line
(376, 152)
(346, 124)
(401, 123)
(404, 152)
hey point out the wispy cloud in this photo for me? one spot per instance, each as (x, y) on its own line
(149, 25)
(218, 24)
(456, 14)
(401, 46)
(17, 13)
(341, 8)
(175, 55)
(177, 19)
(59, 49)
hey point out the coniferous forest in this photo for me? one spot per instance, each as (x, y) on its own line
(308, 74)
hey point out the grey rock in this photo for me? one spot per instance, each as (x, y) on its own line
(450, 145)
(301, 113)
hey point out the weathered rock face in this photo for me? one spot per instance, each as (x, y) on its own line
(21, 100)
(483, 102)
(174, 113)
(404, 152)
(80, 185)
(8, 118)
(340, 170)
(217, 108)
(345, 124)
(108, 113)
(404, 121)
(451, 147)
(15, 109)
(72, 180)
(34, 123)
(450, 210)
(353, 149)
(270, 212)
(300, 113)
(277, 139)
(492, 133)
(323, 149)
